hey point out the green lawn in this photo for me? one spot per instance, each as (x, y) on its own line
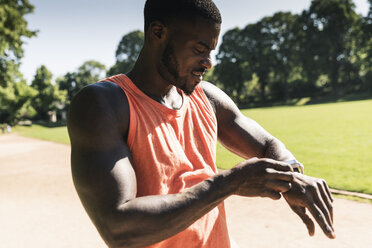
(56, 134)
(334, 141)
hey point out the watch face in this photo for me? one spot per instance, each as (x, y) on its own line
(296, 165)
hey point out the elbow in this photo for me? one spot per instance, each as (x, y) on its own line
(115, 234)
(118, 243)
(117, 240)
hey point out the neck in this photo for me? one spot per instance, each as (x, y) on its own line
(145, 76)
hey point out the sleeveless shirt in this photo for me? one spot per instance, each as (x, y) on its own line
(173, 150)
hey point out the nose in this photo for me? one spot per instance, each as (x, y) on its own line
(207, 62)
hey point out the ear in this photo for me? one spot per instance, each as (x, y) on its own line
(158, 30)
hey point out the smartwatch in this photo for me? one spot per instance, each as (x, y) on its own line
(296, 165)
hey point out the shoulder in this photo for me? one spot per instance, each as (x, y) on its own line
(219, 100)
(211, 91)
(100, 109)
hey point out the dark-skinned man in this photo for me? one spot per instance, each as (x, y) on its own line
(143, 144)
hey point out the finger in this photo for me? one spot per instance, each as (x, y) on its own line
(278, 186)
(271, 194)
(281, 166)
(327, 191)
(317, 194)
(279, 175)
(319, 217)
(301, 212)
(326, 199)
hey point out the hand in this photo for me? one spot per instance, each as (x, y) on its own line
(312, 193)
(262, 177)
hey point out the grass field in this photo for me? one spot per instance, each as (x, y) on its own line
(56, 134)
(334, 141)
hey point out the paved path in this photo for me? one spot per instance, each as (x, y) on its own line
(39, 208)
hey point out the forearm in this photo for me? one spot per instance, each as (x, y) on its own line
(138, 222)
(276, 150)
(248, 139)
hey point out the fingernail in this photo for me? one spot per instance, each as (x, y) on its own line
(331, 232)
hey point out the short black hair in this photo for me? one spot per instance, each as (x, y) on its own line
(166, 10)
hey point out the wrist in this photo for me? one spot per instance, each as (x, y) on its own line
(227, 182)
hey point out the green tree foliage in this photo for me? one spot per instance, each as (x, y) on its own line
(329, 24)
(367, 55)
(13, 27)
(127, 52)
(14, 93)
(89, 72)
(270, 50)
(15, 102)
(281, 59)
(231, 70)
(324, 50)
(266, 49)
(49, 97)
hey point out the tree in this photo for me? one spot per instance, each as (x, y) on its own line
(259, 54)
(231, 69)
(127, 52)
(280, 33)
(89, 72)
(15, 102)
(328, 26)
(14, 93)
(367, 48)
(266, 49)
(49, 96)
(13, 28)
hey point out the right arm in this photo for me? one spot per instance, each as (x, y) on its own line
(106, 182)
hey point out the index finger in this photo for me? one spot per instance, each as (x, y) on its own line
(275, 164)
(282, 166)
(279, 175)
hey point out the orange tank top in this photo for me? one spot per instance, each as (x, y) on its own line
(173, 150)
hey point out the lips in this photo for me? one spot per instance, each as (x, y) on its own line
(198, 74)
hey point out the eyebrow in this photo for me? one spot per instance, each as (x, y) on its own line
(204, 44)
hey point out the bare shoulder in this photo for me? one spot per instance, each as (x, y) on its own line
(98, 113)
(221, 102)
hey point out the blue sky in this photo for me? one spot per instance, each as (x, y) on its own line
(74, 31)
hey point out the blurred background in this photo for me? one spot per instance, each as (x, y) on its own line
(270, 52)
(300, 68)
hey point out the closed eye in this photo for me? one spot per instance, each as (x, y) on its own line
(198, 51)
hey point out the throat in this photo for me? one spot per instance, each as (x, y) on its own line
(167, 95)
(173, 99)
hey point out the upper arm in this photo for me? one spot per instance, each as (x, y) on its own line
(238, 133)
(101, 162)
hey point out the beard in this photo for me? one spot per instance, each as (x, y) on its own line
(171, 67)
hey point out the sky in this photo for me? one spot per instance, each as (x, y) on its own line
(74, 31)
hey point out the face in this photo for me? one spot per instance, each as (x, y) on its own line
(186, 55)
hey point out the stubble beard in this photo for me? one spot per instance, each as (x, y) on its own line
(172, 67)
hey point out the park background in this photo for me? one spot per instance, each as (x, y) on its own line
(302, 69)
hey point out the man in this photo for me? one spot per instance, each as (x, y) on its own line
(144, 144)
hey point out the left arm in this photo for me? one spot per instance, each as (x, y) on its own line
(240, 134)
(246, 138)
